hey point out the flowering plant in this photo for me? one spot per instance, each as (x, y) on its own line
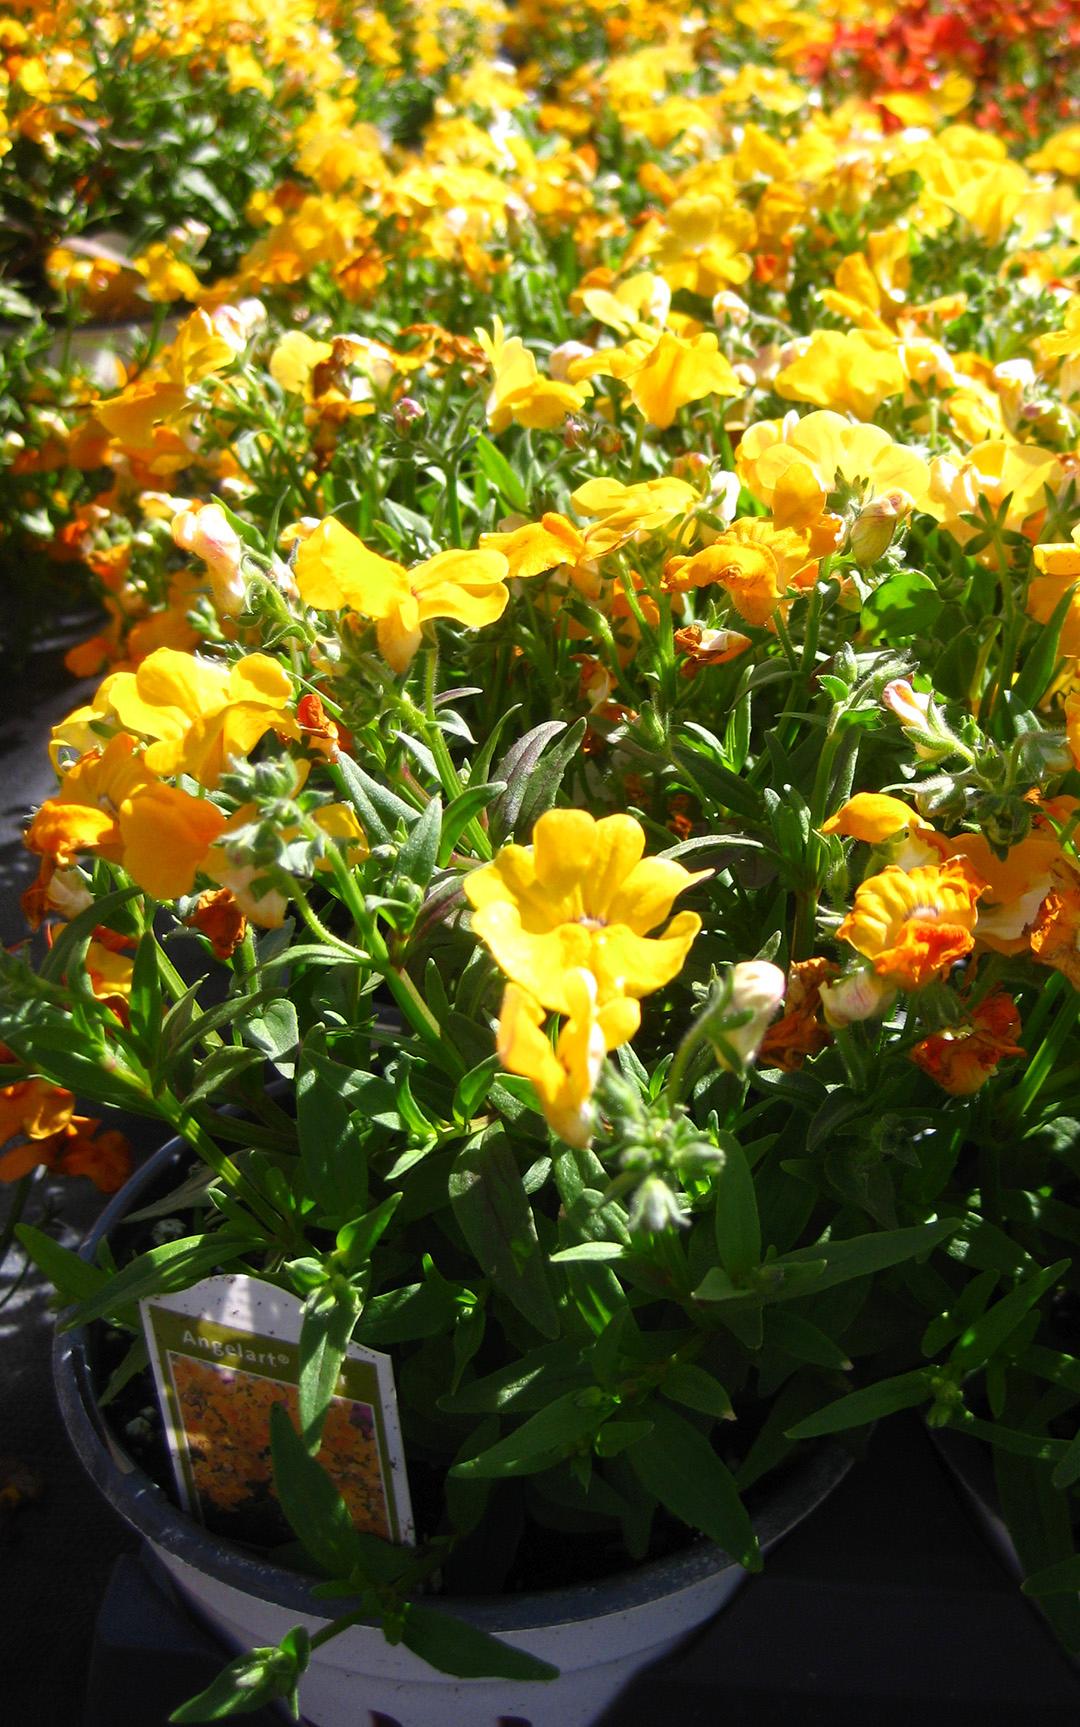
(611, 750)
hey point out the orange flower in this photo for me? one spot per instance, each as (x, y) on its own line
(1055, 936)
(76, 1148)
(913, 925)
(758, 564)
(218, 916)
(962, 1060)
(704, 647)
(800, 1031)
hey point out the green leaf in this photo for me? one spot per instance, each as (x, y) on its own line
(73, 1278)
(541, 1441)
(332, 1155)
(161, 1271)
(218, 1071)
(806, 1342)
(463, 809)
(1060, 1579)
(515, 769)
(859, 1408)
(862, 1255)
(315, 1510)
(356, 1240)
(906, 604)
(494, 465)
(473, 1087)
(193, 183)
(694, 1388)
(378, 809)
(495, 1217)
(738, 1228)
(1068, 1470)
(145, 1005)
(676, 1464)
(452, 1646)
(71, 944)
(275, 1031)
(992, 1329)
(542, 785)
(1039, 662)
(329, 1315)
(584, 1251)
(418, 855)
(1039, 1519)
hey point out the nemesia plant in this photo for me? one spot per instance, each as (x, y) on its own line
(587, 700)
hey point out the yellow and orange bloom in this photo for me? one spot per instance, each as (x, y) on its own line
(760, 566)
(914, 925)
(582, 897)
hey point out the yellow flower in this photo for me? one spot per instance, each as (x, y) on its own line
(995, 471)
(1059, 570)
(334, 569)
(835, 451)
(201, 715)
(914, 925)
(564, 1076)
(166, 834)
(874, 817)
(626, 512)
(583, 898)
(855, 370)
(677, 371)
(519, 393)
(757, 563)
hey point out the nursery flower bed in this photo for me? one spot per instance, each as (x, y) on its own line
(586, 694)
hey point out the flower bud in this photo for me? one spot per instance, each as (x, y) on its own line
(562, 358)
(873, 529)
(407, 415)
(860, 995)
(208, 534)
(757, 988)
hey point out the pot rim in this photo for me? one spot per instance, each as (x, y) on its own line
(147, 1508)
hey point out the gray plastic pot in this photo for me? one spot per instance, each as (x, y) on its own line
(598, 1634)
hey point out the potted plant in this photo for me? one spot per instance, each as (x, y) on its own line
(617, 780)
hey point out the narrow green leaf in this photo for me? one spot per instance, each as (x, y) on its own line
(463, 809)
(452, 1646)
(315, 1510)
(496, 1219)
(497, 469)
(738, 1228)
(677, 1465)
(161, 1271)
(544, 1439)
(993, 1328)
(329, 1315)
(859, 1408)
(686, 1383)
(418, 855)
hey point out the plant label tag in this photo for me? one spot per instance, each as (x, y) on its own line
(223, 1353)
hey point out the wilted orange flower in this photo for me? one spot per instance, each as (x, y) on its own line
(758, 564)
(800, 1031)
(703, 647)
(1055, 935)
(913, 925)
(219, 918)
(962, 1060)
